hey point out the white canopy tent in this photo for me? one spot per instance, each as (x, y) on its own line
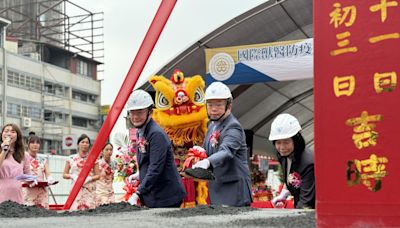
(255, 105)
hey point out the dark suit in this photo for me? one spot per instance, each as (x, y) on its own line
(228, 159)
(160, 183)
(304, 196)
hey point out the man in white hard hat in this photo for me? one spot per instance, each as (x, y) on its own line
(225, 144)
(160, 182)
(297, 162)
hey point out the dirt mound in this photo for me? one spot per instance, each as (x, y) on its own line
(104, 209)
(303, 220)
(11, 209)
(206, 210)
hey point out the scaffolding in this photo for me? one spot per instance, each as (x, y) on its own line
(57, 22)
(55, 31)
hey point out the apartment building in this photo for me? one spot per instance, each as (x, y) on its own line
(55, 94)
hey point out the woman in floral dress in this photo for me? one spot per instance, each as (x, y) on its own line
(86, 198)
(297, 162)
(13, 163)
(104, 186)
(39, 167)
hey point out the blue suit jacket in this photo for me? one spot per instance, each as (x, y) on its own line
(228, 159)
(160, 182)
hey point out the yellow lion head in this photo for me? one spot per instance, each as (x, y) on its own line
(180, 103)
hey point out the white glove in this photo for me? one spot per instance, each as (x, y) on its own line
(199, 148)
(282, 196)
(88, 179)
(50, 180)
(133, 200)
(134, 176)
(74, 177)
(204, 164)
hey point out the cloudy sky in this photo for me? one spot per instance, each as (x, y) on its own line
(126, 23)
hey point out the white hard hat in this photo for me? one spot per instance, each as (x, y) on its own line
(284, 126)
(139, 99)
(218, 90)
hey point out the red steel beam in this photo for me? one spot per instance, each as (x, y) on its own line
(147, 46)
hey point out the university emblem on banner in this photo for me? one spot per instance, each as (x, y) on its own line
(221, 66)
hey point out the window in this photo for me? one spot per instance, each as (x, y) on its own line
(28, 82)
(59, 90)
(12, 77)
(26, 111)
(56, 117)
(54, 89)
(59, 117)
(78, 121)
(82, 68)
(36, 113)
(24, 81)
(85, 97)
(13, 109)
(92, 98)
(49, 116)
(36, 84)
(48, 88)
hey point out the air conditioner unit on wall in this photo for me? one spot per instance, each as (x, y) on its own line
(26, 122)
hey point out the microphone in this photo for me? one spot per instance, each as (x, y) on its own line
(7, 142)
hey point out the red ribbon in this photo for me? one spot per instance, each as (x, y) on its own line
(194, 156)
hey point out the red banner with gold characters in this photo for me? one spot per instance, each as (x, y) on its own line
(357, 112)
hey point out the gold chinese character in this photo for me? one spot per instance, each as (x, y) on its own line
(372, 170)
(382, 6)
(363, 135)
(344, 85)
(339, 15)
(385, 82)
(379, 38)
(342, 44)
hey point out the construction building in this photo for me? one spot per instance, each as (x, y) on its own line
(50, 65)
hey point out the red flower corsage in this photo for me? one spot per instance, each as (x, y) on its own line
(80, 163)
(141, 143)
(294, 179)
(34, 164)
(109, 170)
(214, 138)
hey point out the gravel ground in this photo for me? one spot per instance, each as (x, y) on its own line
(11, 209)
(123, 214)
(206, 210)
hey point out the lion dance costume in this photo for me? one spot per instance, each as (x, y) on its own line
(181, 112)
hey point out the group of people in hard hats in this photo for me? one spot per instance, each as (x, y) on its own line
(160, 182)
(225, 145)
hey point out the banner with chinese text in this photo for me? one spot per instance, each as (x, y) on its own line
(357, 112)
(248, 64)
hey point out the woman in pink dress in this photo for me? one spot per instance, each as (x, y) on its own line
(39, 167)
(13, 163)
(86, 198)
(104, 186)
